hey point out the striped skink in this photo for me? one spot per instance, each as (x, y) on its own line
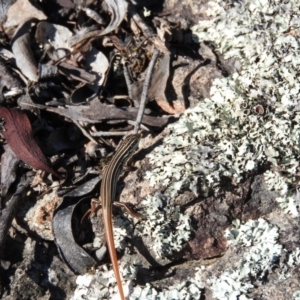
(124, 151)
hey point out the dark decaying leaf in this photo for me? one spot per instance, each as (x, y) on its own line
(7, 79)
(77, 259)
(9, 164)
(76, 73)
(48, 71)
(62, 138)
(21, 47)
(81, 94)
(18, 134)
(159, 79)
(8, 213)
(97, 111)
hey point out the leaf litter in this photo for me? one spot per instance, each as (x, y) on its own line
(63, 87)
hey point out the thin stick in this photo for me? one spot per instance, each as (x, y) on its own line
(147, 30)
(142, 126)
(108, 133)
(9, 212)
(127, 79)
(145, 91)
(84, 132)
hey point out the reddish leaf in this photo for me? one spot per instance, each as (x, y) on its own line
(18, 134)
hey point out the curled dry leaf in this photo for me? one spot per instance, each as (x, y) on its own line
(21, 47)
(18, 135)
(157, 87)
(65, 3)
(98, 64)
(75, 256)
(53, 34)
(14, 17)
(117, 10)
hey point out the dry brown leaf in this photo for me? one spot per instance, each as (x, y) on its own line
(18, 135)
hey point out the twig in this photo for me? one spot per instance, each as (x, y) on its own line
(84, 132)
(7, 214)
(108, 133)
(147, 31)
(145, 91)
(142, 126)
(143, 41)
(127, 79)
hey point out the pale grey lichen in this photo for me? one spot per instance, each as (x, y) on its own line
(164, 223)
(287, 199)
(260, 240)
(230, 285)
(294, 258)
(102, 285)
(276, 182)
(257, 241)
(122, 229)
(296, 295)
(289, 205)
(225, 135)
(189, 289)
(168, 228)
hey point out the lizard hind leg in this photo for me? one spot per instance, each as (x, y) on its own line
(95, 206)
